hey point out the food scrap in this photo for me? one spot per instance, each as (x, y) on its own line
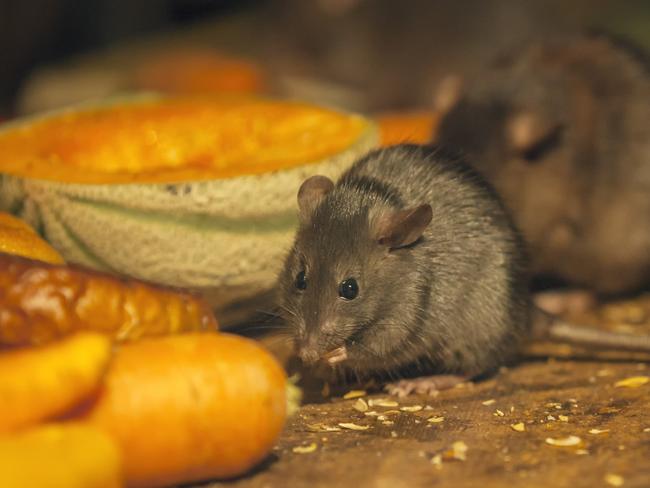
(305, 449)
(382, 402)
(360, 405)
(598, 431)
(568, 441)
(518, 427)
(632, 382)
(412, 408)
(563, 418)
(435, 420)
(352, 426)
(322, 428)
(354, 394)
(489, 402)
(614, 479)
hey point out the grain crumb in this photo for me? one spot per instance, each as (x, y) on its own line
(498, 413)
(435, 420)
(614, 479)
(569, 441)
(352, 426)
(563, 418)
(382, 402)
(305, 449)
(360, 405)
(411, 408)
(489, 402)
(632, 382)
(518, 427)
(354, 394)
(459, 450)
(598, 431)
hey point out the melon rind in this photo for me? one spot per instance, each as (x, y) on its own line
(228, 235)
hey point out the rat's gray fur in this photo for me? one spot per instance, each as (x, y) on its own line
(581, 202)
(455, 301)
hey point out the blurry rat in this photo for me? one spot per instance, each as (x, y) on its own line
(562, 131)
(410, 261)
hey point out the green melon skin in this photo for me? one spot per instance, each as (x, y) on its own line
(227, 236)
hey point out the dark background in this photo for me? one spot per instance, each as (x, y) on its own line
(34, 33)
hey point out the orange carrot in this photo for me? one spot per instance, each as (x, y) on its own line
(39, 383)
(56, 456)
(191, 407)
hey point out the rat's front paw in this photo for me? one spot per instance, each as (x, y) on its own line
(429, 385)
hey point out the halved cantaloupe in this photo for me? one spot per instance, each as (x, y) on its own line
(197, 192)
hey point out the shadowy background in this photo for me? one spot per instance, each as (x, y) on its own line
(378, 53)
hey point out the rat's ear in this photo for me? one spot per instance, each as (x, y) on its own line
(311, 192)
(403, 227)
(447, 94)
(531, 134)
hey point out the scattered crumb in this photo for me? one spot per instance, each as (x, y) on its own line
(512, 408)
(647, 429)
(435, 420)
(305, 449)
(632, 382)
(360, 405)
(598, 431)
(614, 479)
(351, 426)
(563, 418)
(388, 422)
(382, 402)
(604, 372)
(428, 407)
(553, 404)
(582, 452)
(372, 413)
(354, 394)
(412, 408)
(390, 412)
(489, 402)
(393, 433)
(498, 413)
(459, 450)
(550, 417)
(437, 461)
(519, 427)
(322, 428)
(569, 441)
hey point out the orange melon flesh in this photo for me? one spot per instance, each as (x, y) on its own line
(175, 139)
(416, 127)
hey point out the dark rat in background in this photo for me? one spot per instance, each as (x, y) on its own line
(562, 131)
(411, 261)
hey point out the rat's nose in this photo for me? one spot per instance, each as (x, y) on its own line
(308, 355)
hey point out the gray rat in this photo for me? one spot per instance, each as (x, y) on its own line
(411, 261)
(562, 131)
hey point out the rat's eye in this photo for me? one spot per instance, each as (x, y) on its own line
(301, 281)
(349, 289)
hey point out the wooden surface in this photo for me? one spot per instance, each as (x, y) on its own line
(535, 392)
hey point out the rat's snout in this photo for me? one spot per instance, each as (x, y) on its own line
(314, 349)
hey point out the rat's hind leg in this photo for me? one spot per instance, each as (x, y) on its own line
(424, 384)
